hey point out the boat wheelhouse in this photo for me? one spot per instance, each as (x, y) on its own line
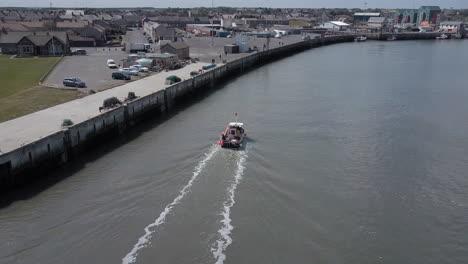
(234, 136)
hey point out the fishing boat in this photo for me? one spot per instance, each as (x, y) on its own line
(360, 38)
(234, 136)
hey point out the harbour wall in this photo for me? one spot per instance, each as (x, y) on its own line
(32, 160)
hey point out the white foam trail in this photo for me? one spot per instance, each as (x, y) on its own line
(225, 239)
(144, 240)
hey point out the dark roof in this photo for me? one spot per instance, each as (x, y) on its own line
(377, 19)
(177, 45)
(437, 8)
(12, 37)
(80, 38)
(38, 38)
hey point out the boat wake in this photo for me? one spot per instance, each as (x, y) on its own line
(151, 228)
(225, 239)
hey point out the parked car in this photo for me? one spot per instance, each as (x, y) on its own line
(121, 76)
(111, 64)
(150, 41)
(130, 72)
(74, 82)
(194, 73)
(139, 68)
(78, 52)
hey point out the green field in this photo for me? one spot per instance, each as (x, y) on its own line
(19, 90)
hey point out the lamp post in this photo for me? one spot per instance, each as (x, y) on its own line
(212, 18)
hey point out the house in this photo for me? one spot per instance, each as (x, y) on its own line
(177, 22)
(96, 32)
(85, 29)
(132, 20)
(79, 41)
(181, 49)
(334, 26)
(159, 32)
(12, 26)
(8, 41)
(44, 44)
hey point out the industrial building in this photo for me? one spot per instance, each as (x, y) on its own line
(334, 26)
(430, 14)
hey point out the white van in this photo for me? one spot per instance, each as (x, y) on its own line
(111, 64)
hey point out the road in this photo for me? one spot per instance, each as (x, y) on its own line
(136, 36)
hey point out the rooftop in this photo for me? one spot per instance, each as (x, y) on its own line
(367, 14)
(339, 23)
(377, 19)
(177, 45)
(164, 55)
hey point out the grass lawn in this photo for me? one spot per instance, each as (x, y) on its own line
(19, 91)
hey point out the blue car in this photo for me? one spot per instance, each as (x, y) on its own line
(74, 82)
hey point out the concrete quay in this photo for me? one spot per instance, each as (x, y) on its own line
(37, 142)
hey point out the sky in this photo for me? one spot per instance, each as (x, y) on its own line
(239, 3)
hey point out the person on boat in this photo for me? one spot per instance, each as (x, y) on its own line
(223, 136)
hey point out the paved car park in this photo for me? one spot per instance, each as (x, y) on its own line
(207, 48)
(91, 68)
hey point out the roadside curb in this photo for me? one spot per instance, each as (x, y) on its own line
(49, 71)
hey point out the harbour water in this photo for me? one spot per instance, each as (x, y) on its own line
(357, 153)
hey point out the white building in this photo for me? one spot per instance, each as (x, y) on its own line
(334, 26)
(452, 26)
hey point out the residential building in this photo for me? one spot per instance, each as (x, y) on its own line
(79, 41)
(181, 49)
(159, 32)
(8, 41)
(43, 44)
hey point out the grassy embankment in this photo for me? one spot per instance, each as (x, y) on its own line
(19, 90)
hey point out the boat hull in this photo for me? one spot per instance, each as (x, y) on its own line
(232, 145)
